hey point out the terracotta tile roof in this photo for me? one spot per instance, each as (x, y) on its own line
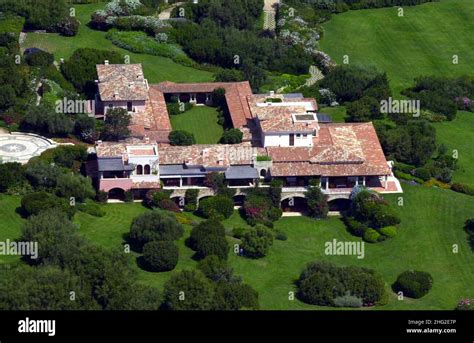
(236, 96)
(339, 150)
(121, 82)
(284, 116)
(154, 122)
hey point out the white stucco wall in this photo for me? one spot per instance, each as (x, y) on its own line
(284, 140)
(138, 106)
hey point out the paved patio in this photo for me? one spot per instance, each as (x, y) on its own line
(21, 147)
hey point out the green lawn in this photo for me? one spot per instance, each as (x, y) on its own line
(202, 122)
(432, 221)
(156, 68)
(422, 42)
(338, 113)
(459, 135)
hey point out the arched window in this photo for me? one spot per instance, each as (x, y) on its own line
(263, 173)
(139, 170)
(147, 169)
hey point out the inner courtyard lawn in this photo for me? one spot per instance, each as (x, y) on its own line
(202, 122)
(422, 42)
(156, 68)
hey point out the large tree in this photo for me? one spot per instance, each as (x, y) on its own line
(116, 125)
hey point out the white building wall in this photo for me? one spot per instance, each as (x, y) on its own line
(137, 106)
(284, 140)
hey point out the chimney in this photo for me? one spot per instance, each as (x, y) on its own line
(147, 139)
(125, 158)
(272, 93)
(205, 152)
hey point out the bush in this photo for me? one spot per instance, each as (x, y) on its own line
(370, 209)
(75, 186)
(35, 203)
(160, 256)
(176, 108)
(389, 231)
(232, 136)
(238, 232)
(216, 269)
(371, 236)
(348, 301)
(422, 173)
(39, 59)
(168, 205)
(191, 201)
(256, 242)
(462, 188)
(235, 296)
(208, 238)
(281, 236)
(355, 227)
(155, 226)
(68, 26)
(153, 197)
(218, 205)
(102, 197)
(413, 284)
(189, 290)
(321, 283)
(128, 196)
(274, 213)
(181, 138)
(91, 208)
(317, 202)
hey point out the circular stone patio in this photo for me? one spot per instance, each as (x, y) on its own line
(21, 147)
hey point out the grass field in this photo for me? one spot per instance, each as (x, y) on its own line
(338, 113)
(432, 221)
(202, 122)
(422, 42)
(156, 68)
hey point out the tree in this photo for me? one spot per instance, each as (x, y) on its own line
(189, 290)
(235, 296)
(155, 226)
(39, 58)
(45, 120)
(208, 238)
(317, 202)
(75, 186)
(181, 138)
(41, 174)
(216, 269)
(85, 128)
(69, 26)
(11, 175)
(229, 75)
(217, 206)
(363, 110)
(256, 242)
(232, 136)
(35, 203)
(116, 124)
(58, 242)
(160, 256)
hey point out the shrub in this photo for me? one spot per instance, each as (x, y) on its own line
(371, 236)
(238, 232)
(208, 238)
(348, 301)
(232, 136)
(281, 236)
(216, 269)
(74, 186)
(153, 197)
(168, 205)
(413, 284)
(370, 209)
(321, 282)
(217, 205)
(190, 198)
(436, 183)
(176, 108)
(39, 59)
(256, 242)
(128, 196)
(102, 196)
(91, 208)
(155, 226)
(181, 138)
(317, 202)
(160, 256)
(462, 188)
(422, 173)
(355, 227)
(69, 26)
(198, 291)
(235, 296)
(274, 213)
(389, 231)
(35, 203)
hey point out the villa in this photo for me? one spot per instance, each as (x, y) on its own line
(284, 138)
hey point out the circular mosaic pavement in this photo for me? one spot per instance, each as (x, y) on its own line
(20, 147)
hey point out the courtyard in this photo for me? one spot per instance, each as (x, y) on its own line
(21, 147)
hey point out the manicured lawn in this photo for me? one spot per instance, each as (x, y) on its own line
(422, 42)
(338, 113)
(202, 122)
(156, 68)
(10, 223)
(432, 221)
(459, 135)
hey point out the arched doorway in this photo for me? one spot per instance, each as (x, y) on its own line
(340, 205)
(147, 169)
(294, 204)
(116, 194)
(139, 169)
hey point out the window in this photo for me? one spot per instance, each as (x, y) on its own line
(298, 135)
(129, 106)
(305, 135)
(139, 170)
(263, 173)
(147, 170)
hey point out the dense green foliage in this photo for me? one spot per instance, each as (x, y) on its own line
(208, 238)
(216, 206)
(321, 283)
(160, 256)
(413, 284)
(181, 137)
(116, 124)
(257, 241)
(317, 202)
